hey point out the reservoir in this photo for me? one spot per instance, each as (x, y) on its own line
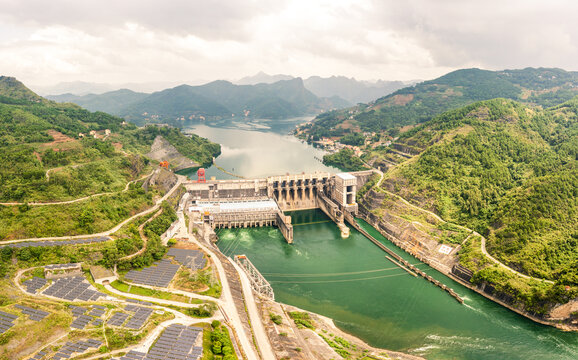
(351, 281)
(258, 149)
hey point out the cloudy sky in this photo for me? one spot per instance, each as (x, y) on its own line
(118, 41)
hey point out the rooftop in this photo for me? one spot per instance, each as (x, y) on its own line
(346, 176)
(234, 206)
(99, 272)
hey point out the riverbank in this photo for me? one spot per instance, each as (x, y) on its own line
(322, 340)
(445, 267)
(290, 341)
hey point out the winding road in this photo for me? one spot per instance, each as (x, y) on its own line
(472, 232)
(155, 207)
(75, 200)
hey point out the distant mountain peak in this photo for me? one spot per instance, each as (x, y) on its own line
(263, 78)
(14, 89)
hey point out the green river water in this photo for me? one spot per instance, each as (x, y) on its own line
(351, 281)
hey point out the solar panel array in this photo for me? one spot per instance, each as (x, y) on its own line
(47, 243)
(6, 321)
(117, 319)
(97, 312)
(160, 274)
(141, 315)
(80, 322)
(32, 285)
(175, 343)
(134, 301)
(73, 288)
(81, 319)
(133, 355)
(192, 259)
(78, 347)
(40, 355)
(77, 310)
(33, 314)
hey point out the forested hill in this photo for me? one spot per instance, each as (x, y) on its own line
(111, 102)
(419, 103)
(510, 172)
(13, 91)
(218, 99)
(54, 152)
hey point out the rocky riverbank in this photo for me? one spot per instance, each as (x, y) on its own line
(162, 150)
(315, 336)
(391, 219)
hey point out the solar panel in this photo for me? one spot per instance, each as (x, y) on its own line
(33, 314)
(32, 285)
(77, 347)
(6, 321)
(23, 244)
(117, 319)
(72, 288)
(160, 274)
(176, 342)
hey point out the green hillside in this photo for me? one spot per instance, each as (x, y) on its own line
(13, 91)
(218, 99)
(417, 104)
(111, 102)
(509, 172)
(57, 152)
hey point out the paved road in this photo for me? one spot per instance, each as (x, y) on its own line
(143, 236)
(228, 306)
(472, 232)
(505, 266)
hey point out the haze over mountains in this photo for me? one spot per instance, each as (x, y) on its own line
(266, 98)
(350, 89)
(261, 95)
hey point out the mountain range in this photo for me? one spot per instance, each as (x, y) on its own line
(350, 89)
(508, 171)
(218, 99)
(421, 102)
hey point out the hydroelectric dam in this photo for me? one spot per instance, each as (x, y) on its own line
(242, 203)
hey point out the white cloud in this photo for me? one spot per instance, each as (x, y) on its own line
(148, 40)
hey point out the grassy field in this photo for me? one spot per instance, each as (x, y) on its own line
(203, 282)
(163, 295)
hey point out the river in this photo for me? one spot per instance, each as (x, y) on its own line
(350, 280)
(258, 149)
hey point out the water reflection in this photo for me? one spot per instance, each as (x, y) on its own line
(259, 150)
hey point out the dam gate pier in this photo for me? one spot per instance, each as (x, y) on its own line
(263, 202)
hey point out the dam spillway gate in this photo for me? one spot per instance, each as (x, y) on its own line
(263, 201)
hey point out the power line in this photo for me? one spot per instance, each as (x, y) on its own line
(336, 281)
(332, 274)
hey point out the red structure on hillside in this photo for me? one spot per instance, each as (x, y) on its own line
(201, 176)
(164, 164)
